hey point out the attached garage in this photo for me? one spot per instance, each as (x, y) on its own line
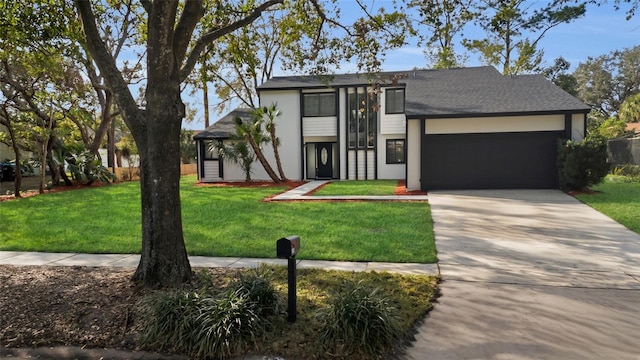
(478, 129)
(510, 160)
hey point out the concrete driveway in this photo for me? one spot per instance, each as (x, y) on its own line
(531, 274)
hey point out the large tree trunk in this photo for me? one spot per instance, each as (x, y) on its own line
(164, 260)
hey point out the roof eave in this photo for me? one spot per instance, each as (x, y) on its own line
(497, 114)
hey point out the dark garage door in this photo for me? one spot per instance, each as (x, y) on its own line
(524, 160)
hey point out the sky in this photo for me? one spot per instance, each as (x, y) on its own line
(601, 31)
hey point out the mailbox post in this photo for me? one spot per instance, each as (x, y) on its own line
(287, 248)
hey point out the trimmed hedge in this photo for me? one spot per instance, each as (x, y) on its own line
(582, 163)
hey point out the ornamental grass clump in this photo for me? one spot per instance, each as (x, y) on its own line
(359, 320)
(226, 326)
(208, 324)
(169, 319)
(258, 287)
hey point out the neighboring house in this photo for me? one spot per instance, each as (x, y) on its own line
(467, 128)
(6, 152)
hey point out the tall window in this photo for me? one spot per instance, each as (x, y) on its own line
(363, 118)
(394, 101)
(319, 104)
(395, 151)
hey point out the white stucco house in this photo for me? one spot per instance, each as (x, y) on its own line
(466, 128)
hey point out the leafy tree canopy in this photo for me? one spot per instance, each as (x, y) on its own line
(514, 29)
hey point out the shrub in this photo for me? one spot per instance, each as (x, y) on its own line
(258, 288)
(582, 163)
(169, 320)
(207, 324)
(226, 326)
(359, 320)
(628, 170)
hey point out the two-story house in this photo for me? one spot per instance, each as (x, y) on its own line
(466, 128)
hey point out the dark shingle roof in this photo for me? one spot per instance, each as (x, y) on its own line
(225, 126)
(458, 92)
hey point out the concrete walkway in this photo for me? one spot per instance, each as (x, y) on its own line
(300, 193)
(531, 275)
(127, 260)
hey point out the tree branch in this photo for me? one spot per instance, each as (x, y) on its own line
(213, 35)
(146, 4)
(124, 30)
(191, 14)
(108, 68)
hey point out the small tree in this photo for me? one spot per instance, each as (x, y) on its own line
(611, 128)
(582, 163)
(188, 150)
(630, 109)
(254, 133)
(268, 114)
(237, 151)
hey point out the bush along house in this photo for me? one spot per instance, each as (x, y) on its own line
(466, 128)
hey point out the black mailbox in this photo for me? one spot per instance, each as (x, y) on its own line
(288, 247)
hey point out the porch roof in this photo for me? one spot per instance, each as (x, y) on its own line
(224, 127)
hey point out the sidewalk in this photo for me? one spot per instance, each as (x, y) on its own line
(128, 260)
(300, 192)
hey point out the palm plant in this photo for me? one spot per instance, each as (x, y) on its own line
(269, 114)
(253, 133)
(238, 152)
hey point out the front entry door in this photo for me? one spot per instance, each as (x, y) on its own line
(323, 161)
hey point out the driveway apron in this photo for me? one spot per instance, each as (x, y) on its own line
(531, 274)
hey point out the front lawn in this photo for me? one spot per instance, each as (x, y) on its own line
(358, 187)
(619, 198)
(221, 221)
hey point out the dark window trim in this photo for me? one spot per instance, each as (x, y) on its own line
(386, 101)
(335, 103)
(404, 157)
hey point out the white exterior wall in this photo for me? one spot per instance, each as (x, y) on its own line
(495, 124)
(211, 171)
(342, 141)
(319, 126)
(413, 154)
(288, 131)
(6, 152)
(233, 172)
(389, 171)
(370, 161)
(391, 126)
(578, 132)
(390, 123)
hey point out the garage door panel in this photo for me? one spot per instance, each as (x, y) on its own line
(490, 161)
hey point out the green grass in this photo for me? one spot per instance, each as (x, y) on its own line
(221, 221)
(359, 187)
(619, 198)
